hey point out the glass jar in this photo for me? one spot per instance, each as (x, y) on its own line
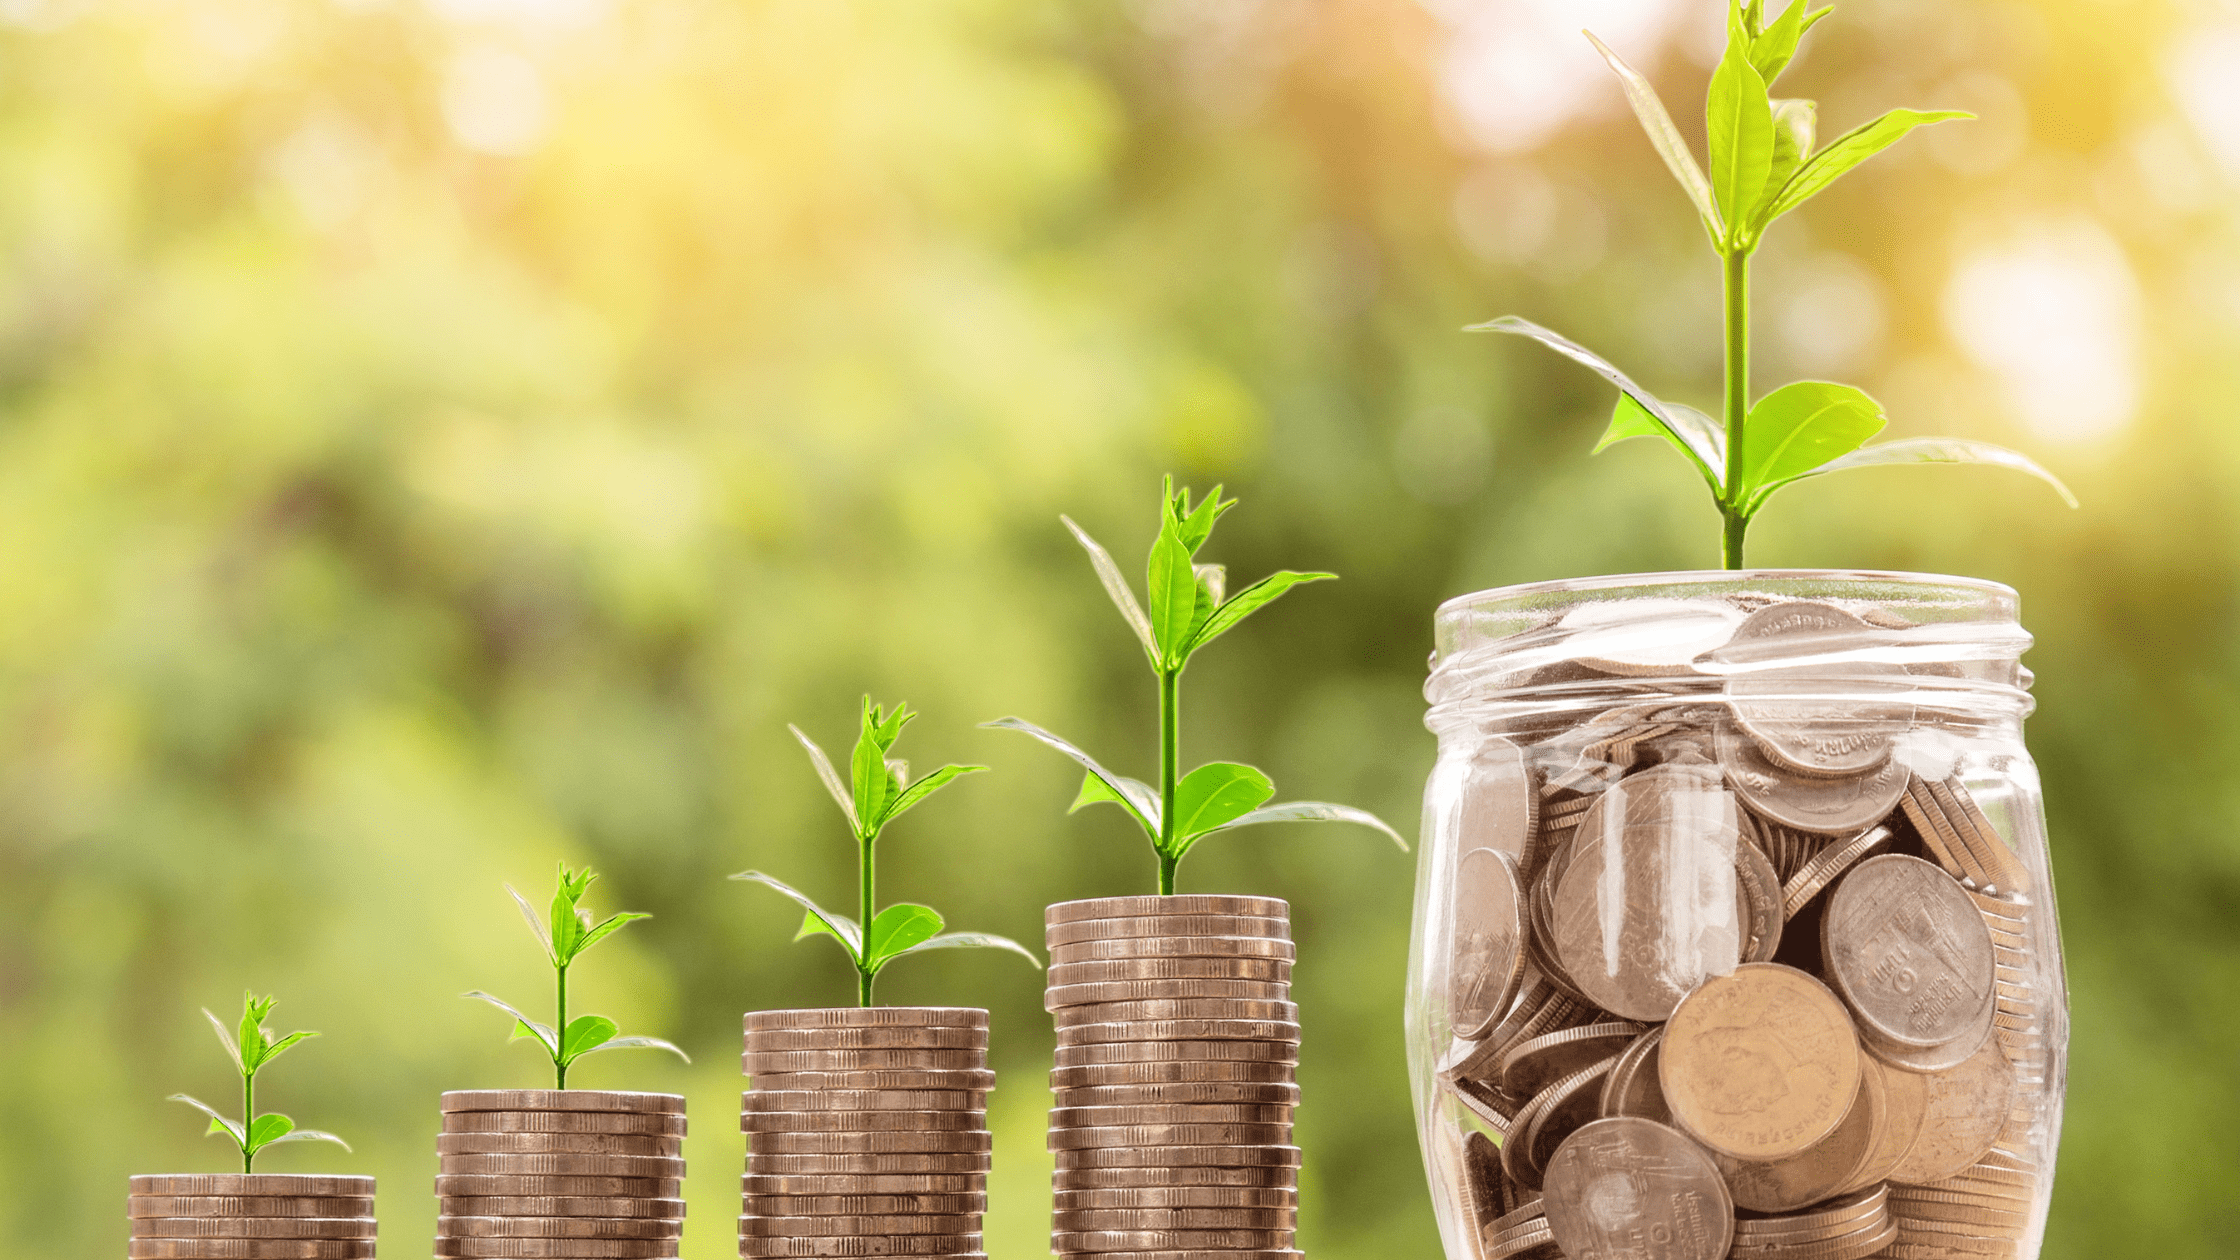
(1733, 923)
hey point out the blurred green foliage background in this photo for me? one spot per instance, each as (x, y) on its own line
(439, 438)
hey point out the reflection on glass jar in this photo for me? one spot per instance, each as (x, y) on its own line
(1734, 932)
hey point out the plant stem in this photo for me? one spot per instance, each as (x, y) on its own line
(864, 877)
(1738, 400)
(560, 1028)
(1170, 702)
(248, 1120)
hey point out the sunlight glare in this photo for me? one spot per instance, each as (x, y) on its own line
(1516, 70)
(2054, 314)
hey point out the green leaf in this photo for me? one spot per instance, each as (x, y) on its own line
(1693, 435)
(309, 1135)
(1135, 797)
(1116, 587)
(585, 1033)
(540, 1033)
(1194, 526)
(1632, 420)
(1217, 794)
(536, 924)
(1795, 124)
(838, 926)
(274, 1050)
(225, 1038)
(1669, 143)
(218, 1123)
(267, 1129)
(1315, 811)
(566, 919)
(1773, 50)
(1095, 791)
(638, 1043)
(1740, 123)
(926, 787)
(1174, 596)
(868, 770)
(1249, 601)
(831, 778)
(1850, 149)
(979, 940)
(1799, 427)
(607, 927)
(1945, 451)
(898, 928)
(253, 1011)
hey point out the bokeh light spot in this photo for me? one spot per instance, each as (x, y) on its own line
(495, 101)
(2053, 313)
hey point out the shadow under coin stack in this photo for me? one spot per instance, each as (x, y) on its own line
(576, 1173)
(867, 1132)
(251, 1216)
(1178, 1052)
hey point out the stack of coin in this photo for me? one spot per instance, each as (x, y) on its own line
(1765, 913)
(251, 1216)
(1178, 1050)
(560, 1173)
(867, 1132)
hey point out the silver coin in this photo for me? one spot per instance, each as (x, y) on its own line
(1174, 1008)
(863, 1100)
(757, 1225)
(475, 1185)
(544, 1164)
(571, 1205)
(253, 1227)
(1176, 947)
(1908, 951)
(889, 1059)
(960, 1204)
(1169, 1240)
(1488, 940)
(562, 1100)
(862, 1121)
(873, 1245)
(867, 1017)
(481, 1248)
(756, 1184)
(1170, 1197)
(1113, 970)
(248, 1248)
(559, 1227)
(562, 1122)
(1185, 1073)
(1257, 1155)
(1170, 925)
(1177, 1050)
(978, 1080)
(559, 1144)
(1147, 907)
(868, 1163)
(765, 1142)
(1259, 1093)
(1167, 1030)
(1676, 923)
(1824, 806)
(772, 1040)
(252, 1185)
(1177, 1176)
(237, 1206)
(1633, 1189)
(1170, 1134)
(1061, 996)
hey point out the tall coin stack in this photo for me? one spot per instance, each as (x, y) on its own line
(867, 1132)
(1178, 1052)
(251, 1216)
(576, 1173)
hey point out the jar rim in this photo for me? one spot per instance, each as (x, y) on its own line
(1698, 578)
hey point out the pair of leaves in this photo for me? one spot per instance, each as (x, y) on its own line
(585, 1034)
(263, 1131)
(1798, 431)
(1217, 796)
(899, 929)
(572, 930)
(1189, 604)
(878, 790)
(1762, 160)
(254, 1046)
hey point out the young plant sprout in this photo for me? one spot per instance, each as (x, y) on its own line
(1763, 165)
(572, 932)
(1188, 611)
(879, 791)
(255, 1048)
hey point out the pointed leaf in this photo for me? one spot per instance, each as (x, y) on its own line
(1116, 586)
(566, 922)
(867, 768)
(225, 1038)
(607, 927)
(1316, 811)
(253, 1012)
(830, 776)
(218, 1123)
(1799, 427)
(926, 787)
(1691, 429)
(543, 1035)
(638, 1043)
(1945, 451)
(585, 1033)
(1740, 123)
(897, 928)
(1670, 145)
(1095, 791)
(536, 924)
(309, 1135)
(979, 940)
(1850, 149)
(1174, 595)
(1251, 600)
(840, 927)
(266, 1130)
(1217, 794)
(274, 1050)
(1631, 420)
(1194, 525)
(1773, 50)
(1135, 797)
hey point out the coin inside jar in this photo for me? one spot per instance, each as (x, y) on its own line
(1633, 1189)
(1909, 952)
(1820, 1171)
(1824, 806)
(1636, 929)
(1760, 1064)
(1488, 940)
(1966, 1108)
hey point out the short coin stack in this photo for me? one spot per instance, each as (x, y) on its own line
(1178, 1051)
(573, 1173)
(867, 1132)
(245, 1216)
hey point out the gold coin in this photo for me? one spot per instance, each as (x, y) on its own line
(252, 1185)
(1164, 1198)
(1760, 1064)
(1676, 922)
(1175, 1008)
(1908, 951)
(867, 1204)
(869, 1164)
(1163, 1176)
(1124, 970)
(562, 1122)
(1905, 1097)
(867, 1017)
(1262, 1094)
(1137, 1240)
(1489, 930)
(565, 1165)
(559, 1227)
(1176, 947)
(875, 1245)
(544, 1248)
(889, 1059)
(157, 1205)
(1161, 1030)
(863, 1100)
(1061, 996)
(1531, 1066)
(1152, 907)
(1228, 1155)
(890, 1224)
(510, 1185)
(1821, 806)
(1080, 1117)
(1168, 925)
(862, 1121)
(253, 1227)
(248, 1248)
(558, 1144)
(771, 1040)
(1162, 1135)
(562, 1100)
(631, 1207)
(1820, 1172)
(820, 1184)
(1967, 1106)
(1618, 1181)
(1161, 1073)
(766, 1142)
(1171, 1053)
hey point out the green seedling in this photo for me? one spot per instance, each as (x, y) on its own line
(877, 792)
(572, 932)
(1188, 610)
(1763, 165)
(250, 1051)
